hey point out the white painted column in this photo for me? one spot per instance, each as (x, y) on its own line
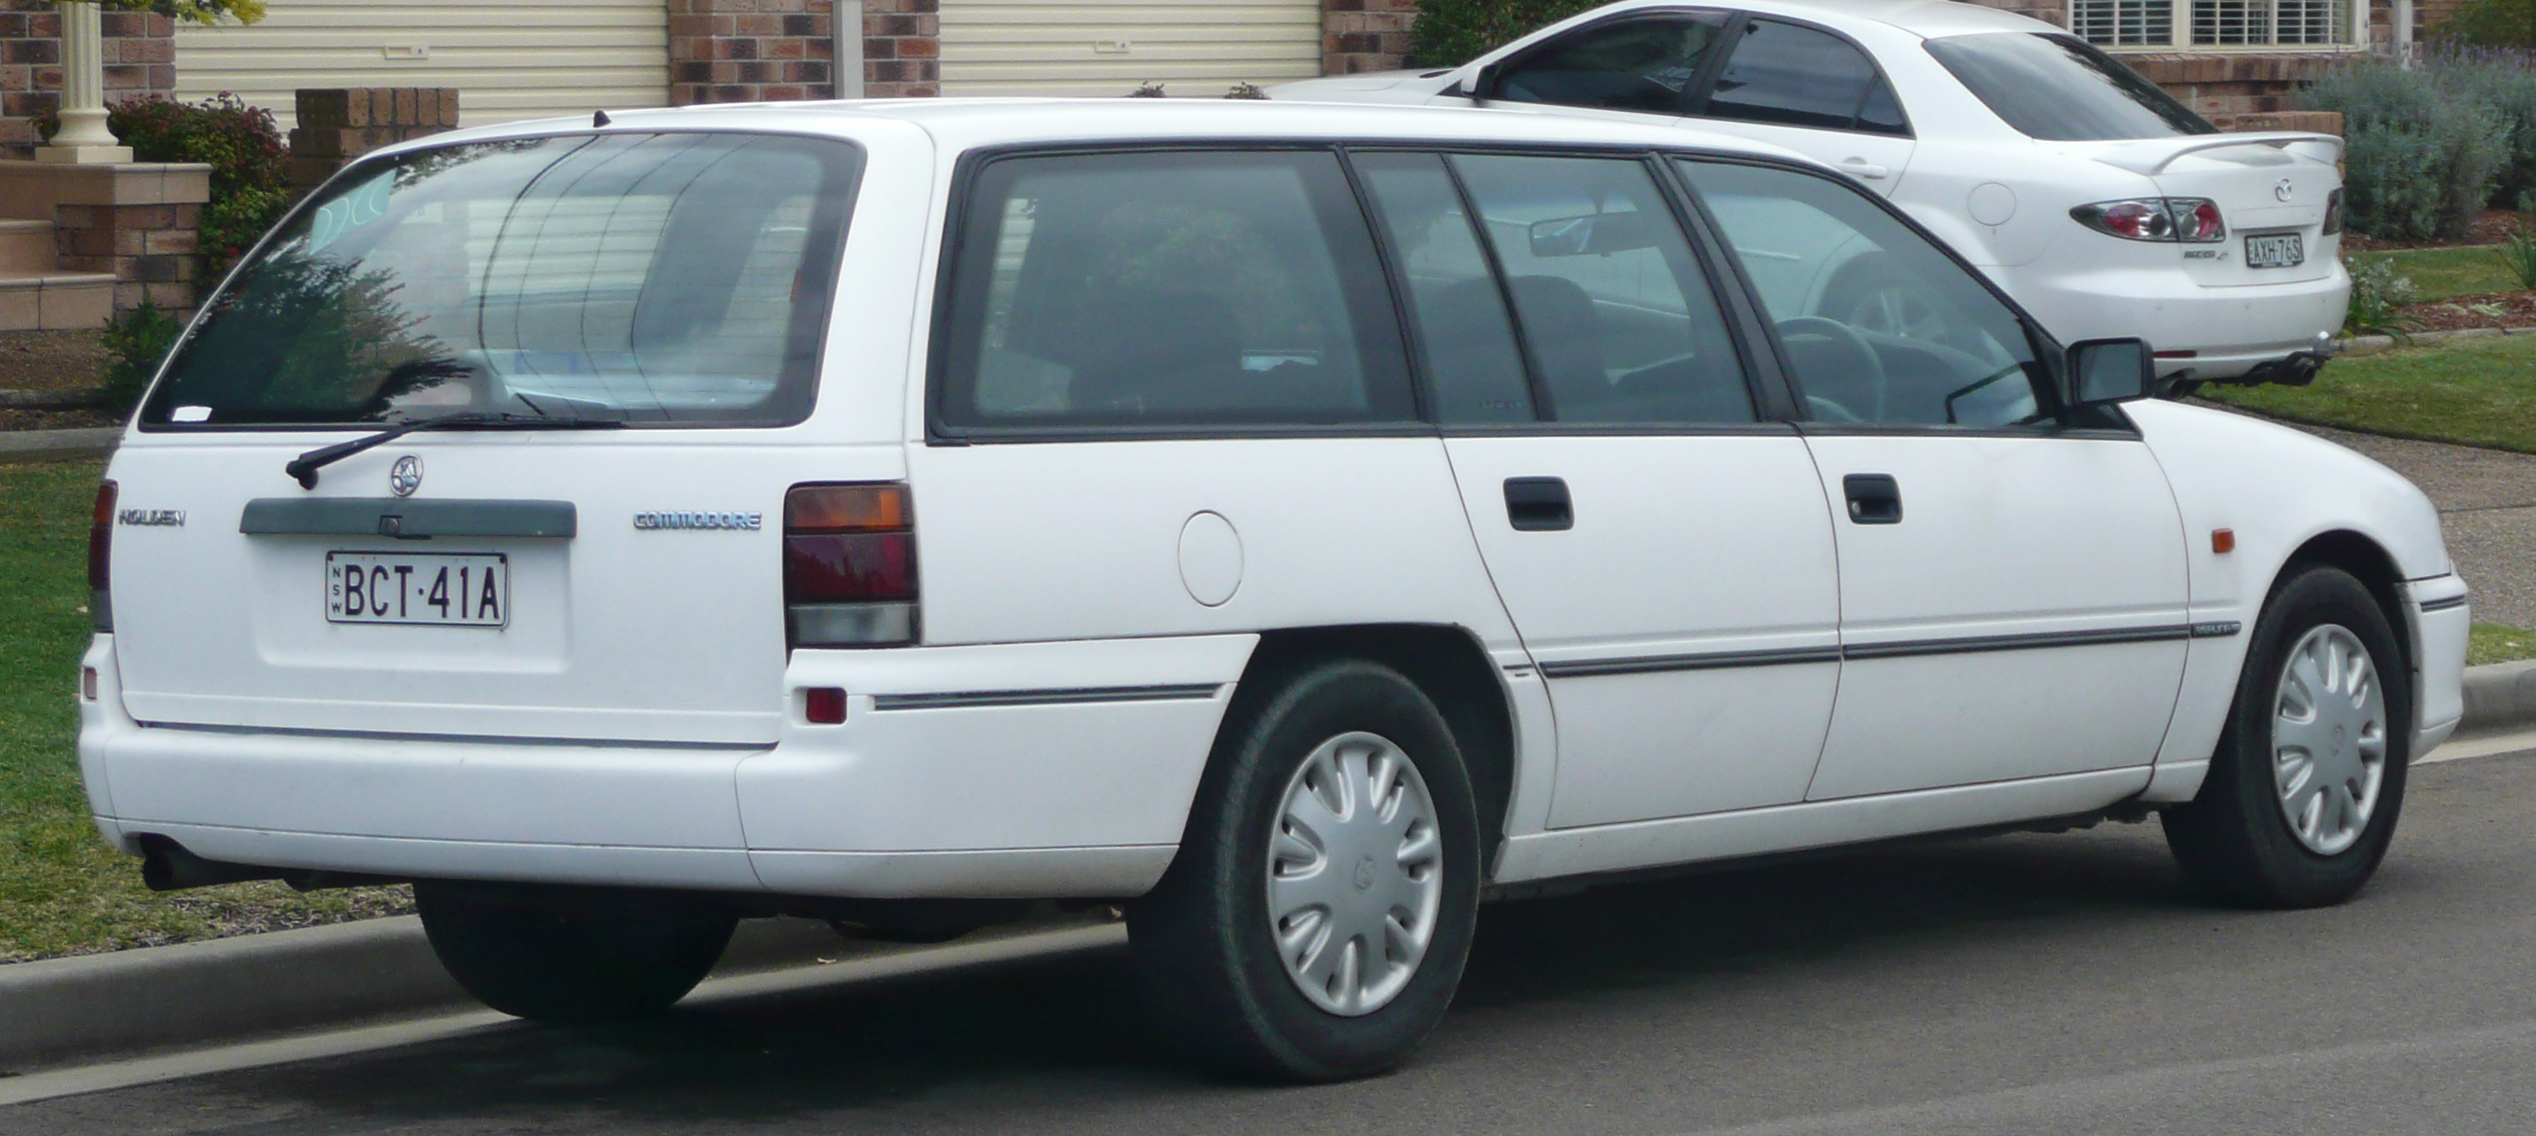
(84, 138)
(846, 28)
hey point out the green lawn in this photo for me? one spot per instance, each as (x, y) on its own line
(2438, 273)
(62, 890)
(2493, 643)
(2478, 392)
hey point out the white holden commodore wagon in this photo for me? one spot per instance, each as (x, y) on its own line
(2100, 203)
(1295, 524)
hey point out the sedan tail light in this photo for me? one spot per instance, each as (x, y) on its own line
(101, 559)
(849, 566)
(2333, 213)
(2189, 219)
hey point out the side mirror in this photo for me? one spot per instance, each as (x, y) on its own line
(2106, 371)
(1480, 87)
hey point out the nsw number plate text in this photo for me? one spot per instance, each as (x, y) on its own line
(462, 589)
(2275, 250)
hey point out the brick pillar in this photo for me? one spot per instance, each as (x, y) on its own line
(902, 48)
(745, 51)
(337, 125)
(1365, 35)
(140, 58)
(137, 223)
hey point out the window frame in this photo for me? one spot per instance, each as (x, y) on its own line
(1491, 81)
(858, 159)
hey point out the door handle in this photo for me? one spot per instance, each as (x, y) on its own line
(1539, 504)
(1863, 168)
(1874, 498)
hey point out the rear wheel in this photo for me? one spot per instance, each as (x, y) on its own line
(1316, 920)
(2304, 790)
(570, 962)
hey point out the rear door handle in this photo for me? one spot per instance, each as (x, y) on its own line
(1874, 498)
(1862, 168)
(1539, 504)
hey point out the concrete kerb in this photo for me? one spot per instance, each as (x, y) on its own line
(58, 445)
(2499, 698)
(2359, 345)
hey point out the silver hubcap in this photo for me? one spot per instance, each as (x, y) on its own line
(2328, 739)
(1355, 874)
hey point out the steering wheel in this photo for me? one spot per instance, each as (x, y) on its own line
(1830, 358)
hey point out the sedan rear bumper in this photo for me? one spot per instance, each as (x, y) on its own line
(2203, 333)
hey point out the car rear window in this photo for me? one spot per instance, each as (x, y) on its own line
(1191, 288)
(2060, 89)
(671, 279)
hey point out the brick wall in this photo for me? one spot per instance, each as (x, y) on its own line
(902, 48)
(337, 125)
(140, 54)
(740, 51)
(1365, 35)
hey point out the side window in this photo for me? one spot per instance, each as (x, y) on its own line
(1147, 289)
(1615, 311)
(1796, 76)
(1644, 65)
(1459, 313)
(1878, 325)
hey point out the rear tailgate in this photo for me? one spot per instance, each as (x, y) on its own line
(670, 633)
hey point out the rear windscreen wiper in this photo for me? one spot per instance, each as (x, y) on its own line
(304, 467)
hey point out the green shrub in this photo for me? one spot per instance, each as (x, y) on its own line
(2378, 293)
(2427, 147)
(2518, 255)
(1450, 33)
(250, 166)
(136, 341)
(2489, 23)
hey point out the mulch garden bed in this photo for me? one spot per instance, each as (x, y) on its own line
(50, 360)
(2490, 309)
(2492, 228)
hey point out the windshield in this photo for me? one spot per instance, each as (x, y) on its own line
(657, 279)
(2059, 89)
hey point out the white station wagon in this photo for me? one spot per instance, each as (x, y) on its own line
(1297, 524)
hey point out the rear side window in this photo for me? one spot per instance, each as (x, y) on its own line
(1641, 64)
(660, 279)
(1797, 76)
(2061, 89)
(1169, 289)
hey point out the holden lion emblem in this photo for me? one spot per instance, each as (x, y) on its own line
(406, 475)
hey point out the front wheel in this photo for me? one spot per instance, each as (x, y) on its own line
(1315, 922)
(2303, 792)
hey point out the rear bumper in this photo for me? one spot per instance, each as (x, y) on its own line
(1008, 771)
(2230, 331)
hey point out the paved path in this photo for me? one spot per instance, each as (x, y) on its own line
(2487, 505)
(2016, 985)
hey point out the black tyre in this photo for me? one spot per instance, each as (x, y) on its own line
(570, 961)
(1316, 920)
(2305, 788)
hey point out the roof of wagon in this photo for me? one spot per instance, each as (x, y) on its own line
(969, 124)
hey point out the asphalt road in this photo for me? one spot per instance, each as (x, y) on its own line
(2017, 984)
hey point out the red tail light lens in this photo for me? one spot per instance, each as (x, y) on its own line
(2333, 213)
(101, 559)
(849, 566)
(2191, 219)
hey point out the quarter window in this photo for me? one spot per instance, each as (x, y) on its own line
(1158, 289)
(1473, 366)
(1615, 311)
(1797, 76)
(1877, 324)
(1643, 65)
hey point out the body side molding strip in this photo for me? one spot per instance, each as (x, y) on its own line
(970, 700)
(1910, 648)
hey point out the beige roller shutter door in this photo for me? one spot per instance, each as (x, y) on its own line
(510, 59)
(1060, 47)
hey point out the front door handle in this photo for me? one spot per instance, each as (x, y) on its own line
(1874, 498)
(1539, 504)
(1864, 169)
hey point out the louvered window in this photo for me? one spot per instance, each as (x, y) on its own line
(2213, 23)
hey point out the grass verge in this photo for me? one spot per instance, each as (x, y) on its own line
(2475, 392)
(62, 890)
(2439, 273)
(2492, 643)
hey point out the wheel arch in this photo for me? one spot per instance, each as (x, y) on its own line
(2369, 562)
(1448, 663)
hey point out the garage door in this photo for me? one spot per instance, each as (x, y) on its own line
(509, 58)
(1062, 47)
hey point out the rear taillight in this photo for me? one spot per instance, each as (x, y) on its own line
(2333, 212)
(101, 559)
(849, 566)
(2191, 219)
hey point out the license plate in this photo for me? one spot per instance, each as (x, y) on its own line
(2275, 250)
(451, 589)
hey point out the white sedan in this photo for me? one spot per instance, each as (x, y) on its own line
(2103, 205)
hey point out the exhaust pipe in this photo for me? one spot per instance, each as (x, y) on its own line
(167, 866)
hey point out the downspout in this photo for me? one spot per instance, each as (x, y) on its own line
(845, 74)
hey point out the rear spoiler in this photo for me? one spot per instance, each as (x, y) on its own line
(2153, 156)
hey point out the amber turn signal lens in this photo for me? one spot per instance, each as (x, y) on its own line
(845, 508)
(2223, 540)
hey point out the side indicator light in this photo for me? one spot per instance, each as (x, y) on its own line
(823, 705)
(2223, 541)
